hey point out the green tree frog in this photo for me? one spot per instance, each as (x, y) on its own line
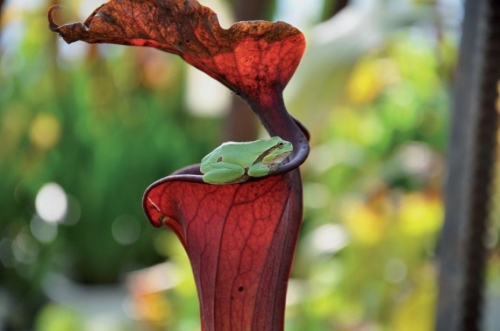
(236, 162)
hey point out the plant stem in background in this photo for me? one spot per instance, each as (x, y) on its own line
(338, 6)
(241, 123)
(471, 157)
(332, 8)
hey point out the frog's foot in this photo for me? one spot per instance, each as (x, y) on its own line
(259, 170)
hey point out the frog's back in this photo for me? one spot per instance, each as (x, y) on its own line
(242, 153)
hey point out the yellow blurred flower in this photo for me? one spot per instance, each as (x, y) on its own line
(364, 84)
(421, 213)
(365, 224)
(45, 131)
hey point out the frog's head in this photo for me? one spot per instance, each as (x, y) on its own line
(277, 152)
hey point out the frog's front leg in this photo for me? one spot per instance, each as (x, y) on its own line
(259, 170)
(222, 173)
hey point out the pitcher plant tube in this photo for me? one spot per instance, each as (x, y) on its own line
(240, 238)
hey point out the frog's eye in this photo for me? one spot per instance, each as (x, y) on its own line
(281, 144)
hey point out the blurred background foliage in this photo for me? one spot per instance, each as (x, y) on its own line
(84, 129)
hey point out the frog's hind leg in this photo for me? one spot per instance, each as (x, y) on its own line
(222, 173)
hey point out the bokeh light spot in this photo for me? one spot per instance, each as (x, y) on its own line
(330, 238)
(51, 203)
(395, 271)
(44, 232)
(25, 249)
(126, 230)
